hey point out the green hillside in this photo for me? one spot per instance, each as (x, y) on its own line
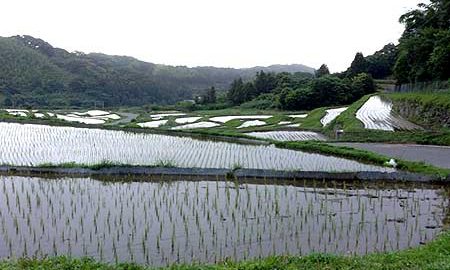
(33, 73)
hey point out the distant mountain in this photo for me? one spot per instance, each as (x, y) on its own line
(34, 73)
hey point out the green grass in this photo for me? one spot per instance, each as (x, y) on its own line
(102, 165)
(434, 255)
(363, 156)
(240, 111)
(428, 109)
(277, 118)
(347, 120)
(440, 137)
(307, 146)
(219, 132)
(441, 99)
(312, 121)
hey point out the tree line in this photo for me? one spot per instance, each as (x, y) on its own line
(423, 51)
(299, 91)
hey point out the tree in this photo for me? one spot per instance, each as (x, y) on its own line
(211, 95)
(381, 64)
(234, 94)
(439, 62)
(298, 99)
(208, 96)
(264, 82)
(322, 71)
(425, 44)
(362, 84)
(359, 65)
(8, 102)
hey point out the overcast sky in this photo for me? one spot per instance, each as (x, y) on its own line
(224, 33)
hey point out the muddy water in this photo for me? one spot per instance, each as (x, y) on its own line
(162, 222)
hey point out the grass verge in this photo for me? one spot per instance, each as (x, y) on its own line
(434, 255)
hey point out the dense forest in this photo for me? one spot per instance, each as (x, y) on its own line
(299, 91)
(423, 52)
(35, 74)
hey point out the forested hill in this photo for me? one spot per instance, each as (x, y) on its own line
(34, 73)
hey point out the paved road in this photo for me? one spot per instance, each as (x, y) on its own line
(436, 155)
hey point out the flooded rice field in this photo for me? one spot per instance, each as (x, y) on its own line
(377, 114)
(289, 135)
(34, 145)
(159, 222)
(332, 114)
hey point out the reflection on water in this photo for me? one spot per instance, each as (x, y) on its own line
(162, 222)
(34, 145)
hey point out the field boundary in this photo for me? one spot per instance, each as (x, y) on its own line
(236, 174)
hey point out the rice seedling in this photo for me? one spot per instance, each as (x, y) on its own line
(182, 220)
(37, 145)
(289, 135)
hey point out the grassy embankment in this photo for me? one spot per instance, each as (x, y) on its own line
(355, 132)
(434, 255)
(105, 165)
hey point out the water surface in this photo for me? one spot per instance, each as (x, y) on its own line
(158, 222)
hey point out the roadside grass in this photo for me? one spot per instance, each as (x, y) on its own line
(434, 255)
(363, 156)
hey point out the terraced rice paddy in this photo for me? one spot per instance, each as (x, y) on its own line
(254, 123)
(377, 114)
(79, 119)
(17, 112)
(161, 222)
(153, 124)
(289, 135)
(187, 120)
(32, 145)
(204, 124)
(298, 115)
(224, 119)
(331, 115)
(93, 117)
(160, 116)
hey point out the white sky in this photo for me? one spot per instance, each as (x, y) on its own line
(224, 33)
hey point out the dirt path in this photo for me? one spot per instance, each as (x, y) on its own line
(438, 156)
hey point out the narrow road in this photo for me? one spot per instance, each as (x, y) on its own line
(438, 156)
